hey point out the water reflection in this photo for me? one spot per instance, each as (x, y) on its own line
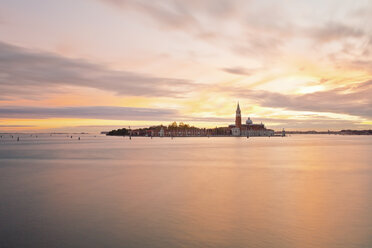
(302, 191)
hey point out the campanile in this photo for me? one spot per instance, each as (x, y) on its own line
(238, 117)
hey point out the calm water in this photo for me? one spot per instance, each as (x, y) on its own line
(299, 191)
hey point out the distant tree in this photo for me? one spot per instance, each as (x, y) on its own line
(119, 132)
(173, 126)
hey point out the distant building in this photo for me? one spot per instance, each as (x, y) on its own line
(161, 132)
(235, 131)
(249, 128)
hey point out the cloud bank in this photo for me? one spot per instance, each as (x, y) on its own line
(26, 72)
(352, 100)
(91, 112)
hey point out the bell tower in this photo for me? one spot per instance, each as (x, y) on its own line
(238, 117)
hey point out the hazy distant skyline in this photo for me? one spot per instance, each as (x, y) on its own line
(87, 65)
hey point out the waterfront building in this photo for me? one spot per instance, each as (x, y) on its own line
(235, 131)
(184, 130)
(249, 128)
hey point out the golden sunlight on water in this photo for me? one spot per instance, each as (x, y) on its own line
(299, 191)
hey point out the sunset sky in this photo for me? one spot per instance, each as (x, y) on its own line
(95, 65)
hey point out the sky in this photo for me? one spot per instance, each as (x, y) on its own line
(97, 65)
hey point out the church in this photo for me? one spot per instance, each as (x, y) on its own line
(248, 129)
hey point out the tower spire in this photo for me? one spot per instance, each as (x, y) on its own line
(238, 108)
(238, 117)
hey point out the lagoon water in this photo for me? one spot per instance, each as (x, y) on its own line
(299, 191)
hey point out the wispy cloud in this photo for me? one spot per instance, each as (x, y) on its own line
(332, 31)
(238, 70)
(169, 14)
(178, 14)
(205, 20)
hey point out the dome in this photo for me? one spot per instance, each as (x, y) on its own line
(249, 121)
